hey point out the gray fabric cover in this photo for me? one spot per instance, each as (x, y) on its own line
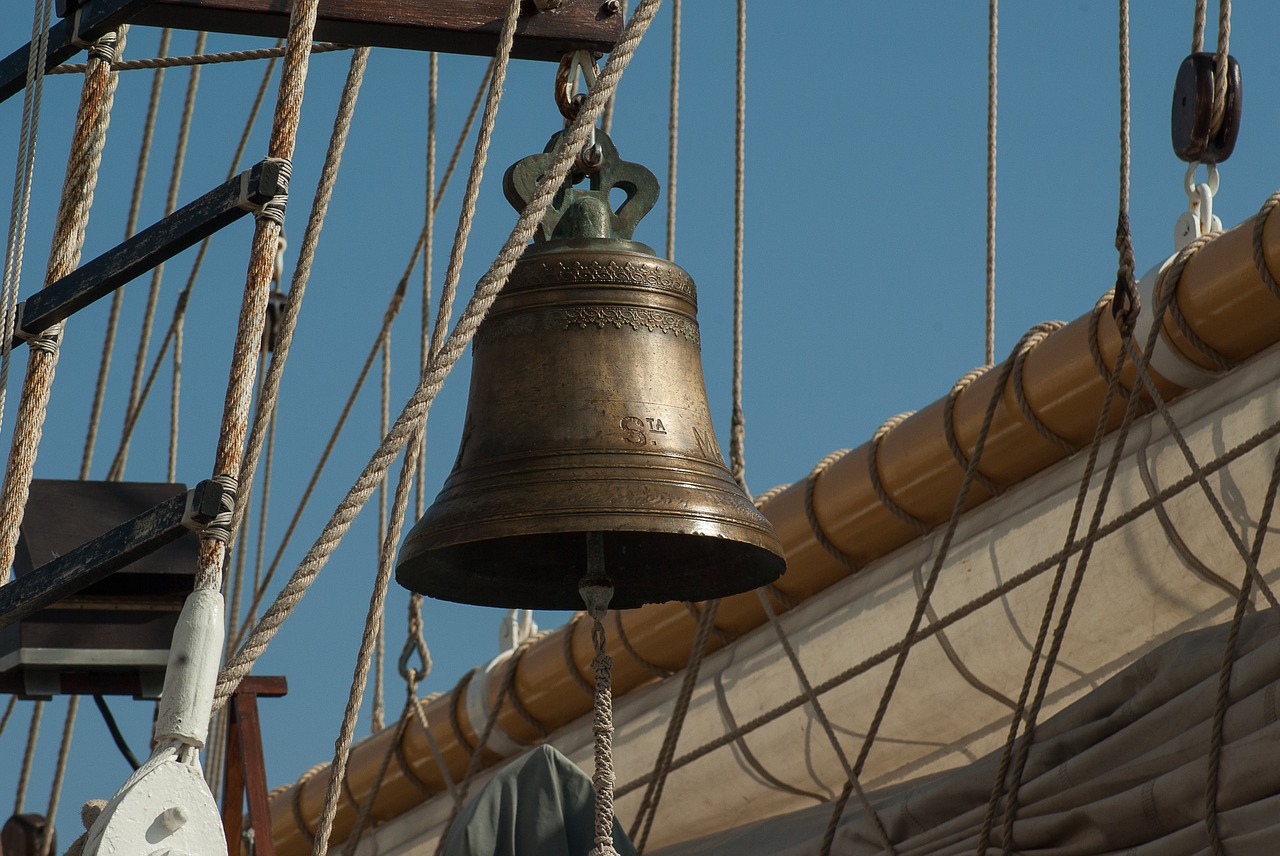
(540, 805)
(1121, 771)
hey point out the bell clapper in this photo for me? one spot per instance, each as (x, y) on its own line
(597, 590)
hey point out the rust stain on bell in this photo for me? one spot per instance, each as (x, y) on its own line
(588, 413)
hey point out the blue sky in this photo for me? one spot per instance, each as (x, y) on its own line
(866, 134)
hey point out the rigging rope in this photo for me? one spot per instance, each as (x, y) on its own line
(184, 295)
(28, 757)
(673, 129)
(428, 250)
(231, 435)
(993, 40)
(373, 622)
(117, 296)
(157, 273)
(738, 425)
(384, 417)
(162, 61)
(92, 118)
(486, 292)
(24, 168)
(1000, 782)
(59, 774)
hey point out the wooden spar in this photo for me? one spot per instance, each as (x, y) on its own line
(450, 26)
(1222, 298)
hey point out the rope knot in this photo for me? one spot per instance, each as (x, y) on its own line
(219, 528)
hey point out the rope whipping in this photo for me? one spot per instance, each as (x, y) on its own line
(88, 139)
(486, 292)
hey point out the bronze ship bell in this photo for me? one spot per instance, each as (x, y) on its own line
(588, 413)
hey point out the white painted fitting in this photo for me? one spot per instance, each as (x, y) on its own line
(1165, 359)
(478, 705)
(192, 672)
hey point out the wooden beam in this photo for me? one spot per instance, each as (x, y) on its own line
(107, 553)
(448, 26)
(155, 244)
(95, 19)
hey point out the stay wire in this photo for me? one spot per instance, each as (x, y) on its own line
(117, 736)
(993, 36)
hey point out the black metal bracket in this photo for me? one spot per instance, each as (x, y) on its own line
(109, 552)
(94, 20)
(153, 245)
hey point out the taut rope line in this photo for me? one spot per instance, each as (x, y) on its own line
(89, 137)
(432, 379)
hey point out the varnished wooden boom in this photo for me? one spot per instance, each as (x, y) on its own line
(1223, 299)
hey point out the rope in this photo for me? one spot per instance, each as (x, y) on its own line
(1126, 290)
(993, 36)
(1175, 539)
(162, 62)
(28, 757)
(131, 224)
(89, 137)
(737, 425)
(260, 591)
(428, 244)
(1020, 708)
(602, 728)
(811, 512)
(1220, 64)
(373, 620)
(944, 547)
(384, 407)
(960, 613)
(59, 774)
(388, 318)
(24, 167)
(157, 273)
(807, 687)
(1223, 700)
(673, 129)
(949, 429)
(432, 379)
(953, 656)
(1020, 391)
(873, 475)
(266, 410)
(473, 765)
(8, 712)
(365, 808)
(646, 664)
(240, 382)
(662, 766)
(184, 295)
(569, 662)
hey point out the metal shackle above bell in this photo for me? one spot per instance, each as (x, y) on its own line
(588, 413)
